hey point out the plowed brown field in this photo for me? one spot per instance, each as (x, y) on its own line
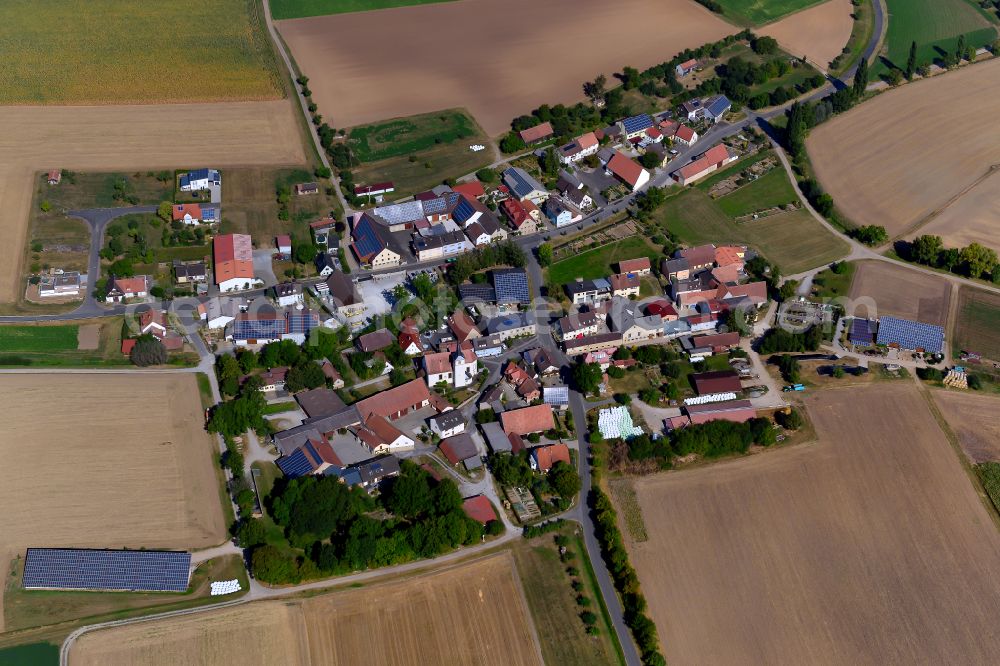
(469, 614)
(900, 292)
(900, 158)
(818, 33)
(497, 59)
(105, 460)
(975, 418)
(868, 547)
(123, 138)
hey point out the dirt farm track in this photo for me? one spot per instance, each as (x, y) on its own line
(484, 55)
(902, 160)
(870, 546)
(105, 461)
(468, 614)
(124, 138)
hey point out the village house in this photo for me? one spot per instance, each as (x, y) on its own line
(560, 214)
(342, 293)
(304, 189)
(462, 449)
(380, 436)
(520, 216)
(438, 368)
(542, 458)
(686, 67)
(579, 324)
(523, 186)
(62, 284)
(189, 213)
(327, 263)
(512, 325)
(187, 272)
(447, 424)
(122, 289)
(627, 171)
(200, 179)
(283, 244)
(635, 126)
(287, 294)
(579, 148)
(266, 325)
(640, 266)
(589, 291)
(625, 285)
(409, 338)
(462, 326)
(373, 244)
(685, 136)
(375, 341)
(54, 177)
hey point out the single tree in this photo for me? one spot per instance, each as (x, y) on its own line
(911, 62)
(148, 351)
(860, 79)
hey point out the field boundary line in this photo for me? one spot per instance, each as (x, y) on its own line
(927, 219)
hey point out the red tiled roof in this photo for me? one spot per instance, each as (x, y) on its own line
(322, 224)
(132, 285)
(653, 133)
(472, 189)
(395, 400)
(479, 508)
(755, 291)
(588, 140)
(438, 363)
(684, 133)
(625, 168)
(713, 156)
(407, 338)
(727, 254)
(192, 209)
(233, 257)
(462, 325)
(537, 133)
(515, 211)
(700, 255)
(527, 420)
(634, 265)
(284, 240)
(127, 345)
(716, 340)
(547, 456)
(688, 64)
(720, 381)
(662, 308)
(622, 281)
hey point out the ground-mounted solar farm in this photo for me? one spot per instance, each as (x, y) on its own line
(831, 552)
(106, 461)
(471, 613)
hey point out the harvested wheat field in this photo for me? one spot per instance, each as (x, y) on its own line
(476, 54)
(883, 165)
(106, 460)
(868, 547)
(974, 217)
(107, 138)
(818, 33)
(975, 419)
(881, 288)
(473, 613)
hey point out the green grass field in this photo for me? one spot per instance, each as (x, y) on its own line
(132, 51)
(771, 189)
(794, 241)
(759, 12)
(552, 601)
(38, 338)
(827, 284)
(288, 9)
(597, 263)
(33, 654)
(404, 136)
(934, 25)
(978, 326)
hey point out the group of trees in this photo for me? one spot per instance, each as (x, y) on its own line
(719, 438)
(336, 528)
(625, 579)
(737, 77)
(244, 412)
(780, 340)
(148, 351)
(562, 481)
(973, 260)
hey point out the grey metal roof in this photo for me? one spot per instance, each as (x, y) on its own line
(496, 437)
(411, 211)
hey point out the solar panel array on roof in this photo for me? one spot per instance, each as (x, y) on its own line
(301, 322)
(463, 211)
(637, 123)
(435, 206)
(401, 213)
(82, 569)
(862, 332)
(520, 182)
(367, 242)
(260, 329)
(298, 463)
(511, 285)
(477, 292)
(910, 334)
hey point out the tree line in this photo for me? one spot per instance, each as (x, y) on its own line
(973, 261)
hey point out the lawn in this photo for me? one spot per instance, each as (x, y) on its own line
(771, 189)
(935, 26)
(279, 407)
(429, 150)
(56, 345)
(794, 241)
(33, 654)
(134, 51)
(38, 338)
(978, 326)
(597, 262)
(552, 602)
(288, 9)
(758, 12)
(827, 284)
(404, 136)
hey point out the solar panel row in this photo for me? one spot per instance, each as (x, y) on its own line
(83, 569)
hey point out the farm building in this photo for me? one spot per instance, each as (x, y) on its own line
(314, 457)
(283, 244)
(375, 191)
(461, 449)
(511, 285)
(472, 189)
(319, 402)
(54, 177)
(373, 244)
(714, 158)
(686, 67)
(862, 332)
(719, 381)
(303, 189)
(527, 420)
(233, 255)
(537, 133)
(375, 341)
(640, 266)
(737, 411)
(396, 402)
(380, 436)
(911, 335)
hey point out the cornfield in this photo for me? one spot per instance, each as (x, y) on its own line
(135, 51)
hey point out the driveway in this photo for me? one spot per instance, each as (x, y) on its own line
(263, 266)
